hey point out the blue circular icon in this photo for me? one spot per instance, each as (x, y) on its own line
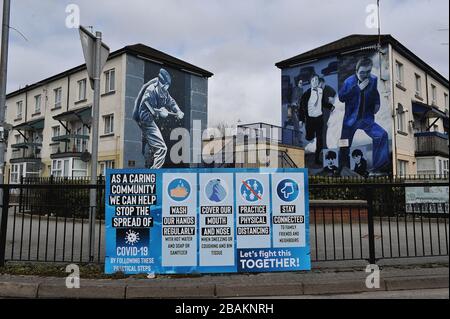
(252, 190)
(216, 190)
(288, 190)
(179, 189)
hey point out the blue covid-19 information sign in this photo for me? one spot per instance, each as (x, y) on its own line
(184, 221)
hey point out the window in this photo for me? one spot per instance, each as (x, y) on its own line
(79, 168)
(401, 119)
(69, 167)
(82, 90)
(106, 165)
(418, 85)
(58, 98)
(402, 168)
(16, 173)
(445, 171)
(37, 103)
(23, 170)
(19, 110)
(426, 167)
(446, 102)
(57, 168)
(110, 81)
(80, 143)
(56, 131)
(108, 121)
(433, 94)
(32, 170)
(36, 137)
(399, 68)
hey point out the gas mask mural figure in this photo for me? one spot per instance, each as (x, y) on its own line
(154, 102)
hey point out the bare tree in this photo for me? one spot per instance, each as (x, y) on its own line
(222, 126)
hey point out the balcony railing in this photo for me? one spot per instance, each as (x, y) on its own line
(23, 155)
(250, 159)
(431, 144)
(69, 144)
(26, 145)
(273, 133)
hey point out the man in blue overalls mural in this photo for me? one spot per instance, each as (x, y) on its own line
(362, 101)
(152, 103)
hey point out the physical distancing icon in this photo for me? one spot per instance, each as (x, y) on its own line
(252, 190)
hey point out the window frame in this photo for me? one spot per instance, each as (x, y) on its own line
(110, 86)
(59, 170)
(402, 168)
(399, 72)
(418, 85)
(401, 119)
(56, 128)
(19, 110)
(37, 98)
(82, 90)
(108, 128)
(104, 165)
(16, 173)
(446, 167)
(58, 98)
(81, 144)
(433, 94)
(446, 101)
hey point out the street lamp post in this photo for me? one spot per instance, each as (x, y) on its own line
(3, 77)
(96, 54)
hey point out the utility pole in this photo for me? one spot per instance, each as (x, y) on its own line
(96, 54)
(3, 78)
(4, 198)
(94, 130)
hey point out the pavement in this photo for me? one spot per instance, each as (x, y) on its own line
(403, 282)
(442, 293)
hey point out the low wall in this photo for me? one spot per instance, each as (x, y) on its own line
(337, 211)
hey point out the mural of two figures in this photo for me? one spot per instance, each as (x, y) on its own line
(338, 110)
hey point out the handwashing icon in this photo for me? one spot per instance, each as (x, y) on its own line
(288, 190)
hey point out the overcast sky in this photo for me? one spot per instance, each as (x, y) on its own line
(238, 40)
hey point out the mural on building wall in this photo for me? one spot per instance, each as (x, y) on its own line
(156, 111)
(157, 101)
(338, 110)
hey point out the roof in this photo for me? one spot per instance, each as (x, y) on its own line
(139, 50)
(31, 125)
(428, 111)
(357, 41)
(83, 114)
(148, 52)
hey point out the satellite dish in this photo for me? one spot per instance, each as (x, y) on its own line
(85, 156)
